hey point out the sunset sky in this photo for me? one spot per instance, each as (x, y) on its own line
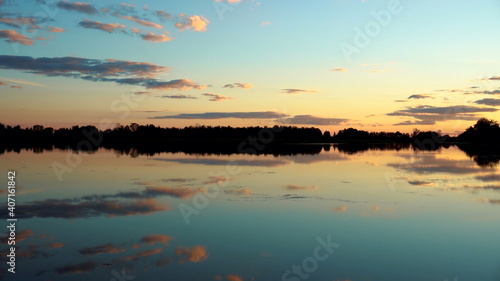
(373, 65)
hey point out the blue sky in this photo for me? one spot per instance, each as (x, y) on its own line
(444, 52)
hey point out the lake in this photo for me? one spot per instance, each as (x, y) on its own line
(372, 214)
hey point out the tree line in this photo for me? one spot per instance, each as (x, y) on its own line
(484, 131)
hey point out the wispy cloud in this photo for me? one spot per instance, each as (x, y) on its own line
(420, 96)
(222, 115)
(142, 254)
(494, 92)
(77, 268)
(155, 38)
(299, 187)
(142, 22)
(19, 22)
(85, 8)
(215, 97)
(239, 85)
(178, 97)
(108, 27)
(194, 254)
(429, 115)
(13, 36)
(490, 102)
(297, 91)
(102, 249)
(339, 69)
(312, 120)
(55, 29)
(110, 70)
(497, 78)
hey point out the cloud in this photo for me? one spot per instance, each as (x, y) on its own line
(340, 69)
(489, 178)
(3, 83)
(312, 120)
(229, 1)
(222, 115)
(234, 278)
(379, 70)
(178, 192)
(497, 78)
(163, 16)
(108, 27)
(55, 245)
(341, 209)
(183, 180)
(16, 87)
(221, 162)
(24, 234)
(55, 29)
(266, 23)
(142, 254)
(142, 22)
(22, 81)
(196, 23)
(420, 96)
(84, 267)
(99, 250)
(429, 164)
(13, 37)
(429, 115)
(239, 85)
(215, 97)
(178, 97)
(299, 187)
(178, 84)
(490, 102)
(401, 100)
(194, 254)
(155, 38)
(85, 8)
(55, 208)
(421, 183)
(297, 91)
(494, 92)
(149, 192)
(110, 70)
(239, 191)
(156, 238)
(75, 66)
(19, 22)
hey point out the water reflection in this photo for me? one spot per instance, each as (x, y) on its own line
(483, 155)
(115, 216)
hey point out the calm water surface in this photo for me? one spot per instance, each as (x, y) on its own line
(373, 215)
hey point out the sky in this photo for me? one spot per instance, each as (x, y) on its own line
(384, 65)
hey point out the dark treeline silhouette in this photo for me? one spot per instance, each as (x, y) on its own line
(135, 139)
(485, 131)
